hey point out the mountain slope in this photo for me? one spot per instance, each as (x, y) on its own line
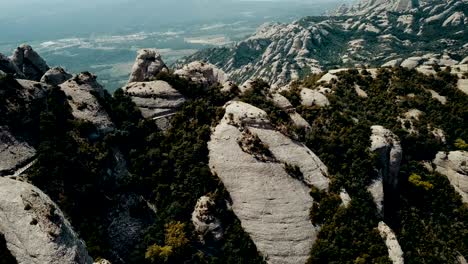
(370, 33)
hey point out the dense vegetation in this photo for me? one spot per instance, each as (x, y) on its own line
(428, 216)
(170, 170)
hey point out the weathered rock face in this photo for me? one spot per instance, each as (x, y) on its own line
(29, 62)
(395, 253)
(313, 98)
(207, 225)
(82, 92)
(13, 152)
(35, 229)
(56, 76)
(272, 205)
(156, 100)
(147, 65)
(389, 151)
(283, 103)
(203, 73)
(7, 66)
(454, 165)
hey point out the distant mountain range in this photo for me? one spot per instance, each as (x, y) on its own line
(370, 33)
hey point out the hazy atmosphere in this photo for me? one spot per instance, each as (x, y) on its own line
(104, 35)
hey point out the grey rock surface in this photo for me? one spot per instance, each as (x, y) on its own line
(56, 76)
(7, 66)
(272, 205)
(13, 152)
(387, 146)
(83, 92)
(35, 230)
(203, 73)
(388, 149)
(147, 65)
(29, 62)
(454, 165)
(207, 225)
(156, 100)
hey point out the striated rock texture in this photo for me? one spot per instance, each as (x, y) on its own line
(35, 229)
(387, 146)
(83, 92)
(395, 253)
(29, 62)
(147, 65)
(454, 165)
(272, 205)
(13, 152)
(56, 76)
(203, 73)
(156, 100)
(207, 225)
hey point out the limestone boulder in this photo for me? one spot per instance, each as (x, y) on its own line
(147, 65)
(35, 229)
(207, 225)
(313, 98)
(29, 62)
(156, 100)
(56, 76)
(83, 93)
(454, 165)
(273, 205)
(389, 152)
(14, 153)
(395, 253)
(203, 73)
(7, 66)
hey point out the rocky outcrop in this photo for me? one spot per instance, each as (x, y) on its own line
(83, 92)
(463, 85)
(35, 229)
(56, 76)
(207, 225)
(283, 103)
(387, 146)
(313, 98)
(273, 206)
(454, 165)
(203, 73)
(29, 62)
(389, 152)
(14, 153)
(157, 100)
(147, 65)
(395, 253)
(7, 66)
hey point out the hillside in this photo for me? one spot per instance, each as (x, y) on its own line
(195, 165)
(371, 33)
